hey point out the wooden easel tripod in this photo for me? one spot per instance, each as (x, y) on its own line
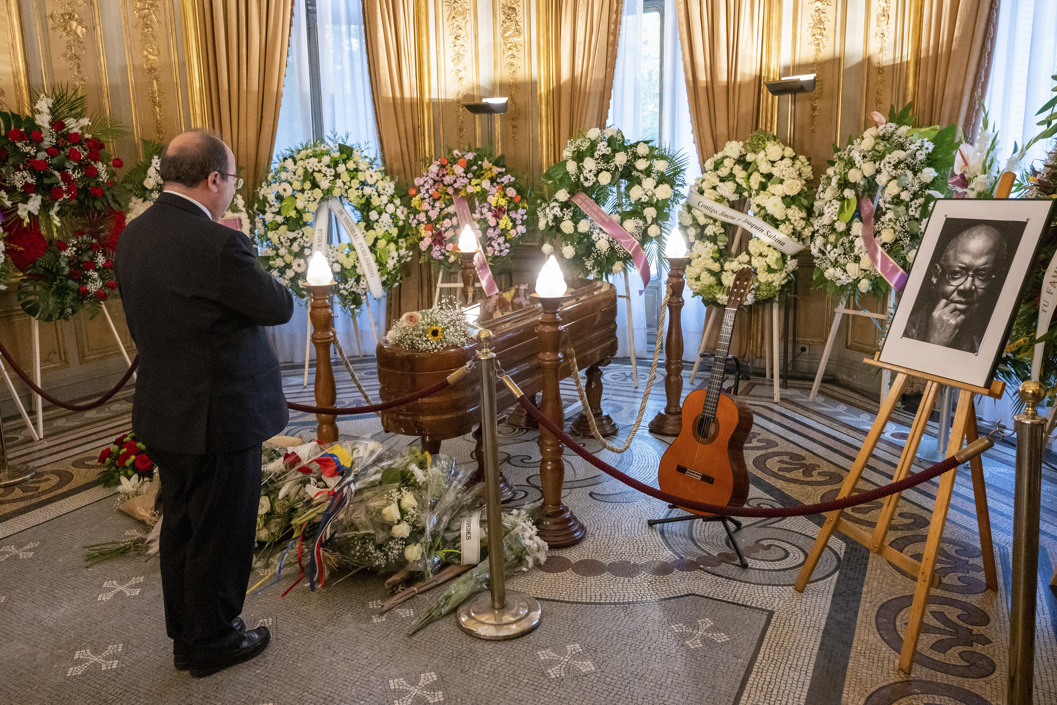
(963, 428)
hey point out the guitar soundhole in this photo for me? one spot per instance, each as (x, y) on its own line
(705, 430)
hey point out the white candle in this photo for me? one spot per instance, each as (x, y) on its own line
(467, 241)
(676, 245)
(319, 273)
(550, 283)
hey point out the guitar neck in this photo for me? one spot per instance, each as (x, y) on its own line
(719, 363)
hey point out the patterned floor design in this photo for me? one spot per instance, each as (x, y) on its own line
(630, 615)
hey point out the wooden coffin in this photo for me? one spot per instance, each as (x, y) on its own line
(589, 323)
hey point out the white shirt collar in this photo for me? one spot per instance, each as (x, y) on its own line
(182, 195)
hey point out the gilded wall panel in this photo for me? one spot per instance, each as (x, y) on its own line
(514, 78)
(16, 330)
(95, 339)
(456, 72)
(14, 86)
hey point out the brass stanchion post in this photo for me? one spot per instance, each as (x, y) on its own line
(499, 614)
(1031, 438)
(11, 474)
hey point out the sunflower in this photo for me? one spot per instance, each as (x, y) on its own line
(435, 333)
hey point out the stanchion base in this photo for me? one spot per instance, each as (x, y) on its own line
(666, 424)
(560, 528)
(15, 474)
(582, 426)
(518, 617)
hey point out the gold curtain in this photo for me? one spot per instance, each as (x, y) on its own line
(578, 57)
(244, 46)
(953, 61)
(723, 59)
(396, 34)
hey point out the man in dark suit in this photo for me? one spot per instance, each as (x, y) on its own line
(209, 392)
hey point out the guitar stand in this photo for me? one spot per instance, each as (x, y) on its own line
(726, 521)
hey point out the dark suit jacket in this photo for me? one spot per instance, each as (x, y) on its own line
(195, 300)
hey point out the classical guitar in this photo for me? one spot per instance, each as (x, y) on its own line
(706, 462)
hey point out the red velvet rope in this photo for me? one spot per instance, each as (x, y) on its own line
(723, 510)
(71, 407)
(371, 408)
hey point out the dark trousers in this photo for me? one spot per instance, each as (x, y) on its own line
(209, 509)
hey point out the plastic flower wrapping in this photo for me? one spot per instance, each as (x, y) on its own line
(773, 180)
(638, 184)
(905, 169)
(287, 202)
(494, 195)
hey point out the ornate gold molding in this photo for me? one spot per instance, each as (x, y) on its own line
(14, 81)
(68, 24)
(195, 59)
(146, 14)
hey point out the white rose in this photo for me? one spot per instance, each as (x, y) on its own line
(562, 196)
(610, 131)
(869, 169)
(413, 552)
(864, 285)
(391, 513)
(911, 255)
(408, 501)
(604, 177)
(548, 250)
(567, 153)
(593, 133)
(650, 214)
(567, 227)
(602, 245)
(642, 149)
(888, 235)
(892, 188)
(867, 142)
(583, 226)
(618, 267)
(927, 175)
(590, 164)
(663, 191)
(264, 506)
(654, 230)
(401, 530)
(660, 165)
(570, 166)
(854, 175)
(568, 251)
(635, 193)
(865, 263)
(620, 158)
(852, 269)
(792, 187)
(641, 164)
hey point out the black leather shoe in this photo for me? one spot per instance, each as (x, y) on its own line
(250, 643)
(180, 657)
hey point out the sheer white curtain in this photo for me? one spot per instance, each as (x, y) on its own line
(662, 113)
(348, 115)
(1025, 57)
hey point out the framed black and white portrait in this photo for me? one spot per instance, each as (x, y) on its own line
(957, 307)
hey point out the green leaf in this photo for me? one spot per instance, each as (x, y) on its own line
(847, 210)
(391, 476)
(289, 206)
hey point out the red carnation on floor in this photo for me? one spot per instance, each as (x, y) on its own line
(143, 463)
(25, 243)
(105, 455)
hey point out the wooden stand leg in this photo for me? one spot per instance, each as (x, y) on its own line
(603, 421)
(631, 328)
(932, 544)
(775, 337)
(308, 347)
(983, 517)
(906, 461)
(18, 403)
(120, 345)
(37, 401)
(370, 318)
(837, 315)
(850, 481)
(710, 317)
(766, 345)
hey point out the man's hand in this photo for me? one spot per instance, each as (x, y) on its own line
(945, 322)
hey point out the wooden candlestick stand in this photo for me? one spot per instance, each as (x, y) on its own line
(557, 525)
(468, 273)
(322, 337)
(964, 427)
(670, 421)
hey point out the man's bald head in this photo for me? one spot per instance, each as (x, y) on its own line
(969, 265)
(191, 157)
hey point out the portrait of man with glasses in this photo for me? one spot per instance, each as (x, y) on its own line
(957, 297)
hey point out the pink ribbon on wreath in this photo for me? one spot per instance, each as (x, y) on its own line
(892, 272)
(616, 231)
(480, 262)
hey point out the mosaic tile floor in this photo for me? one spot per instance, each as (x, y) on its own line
(630, 615)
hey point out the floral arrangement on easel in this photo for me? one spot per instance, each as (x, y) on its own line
(287, 203)
(144, 184)
(496, 201)
(773, 179)
(904, 169)
(61, 205)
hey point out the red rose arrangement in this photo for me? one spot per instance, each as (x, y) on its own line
(125, 457)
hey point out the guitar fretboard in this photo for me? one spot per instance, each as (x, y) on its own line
(719, 363)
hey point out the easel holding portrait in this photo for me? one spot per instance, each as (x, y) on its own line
(959, 266)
